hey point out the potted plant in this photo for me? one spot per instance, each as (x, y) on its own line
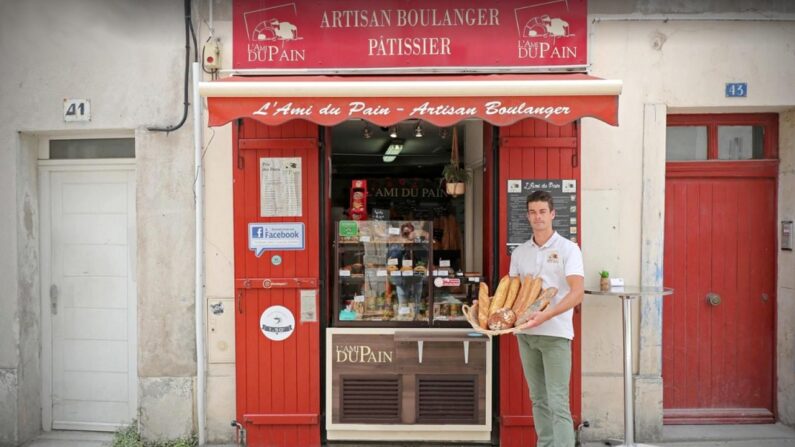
(455, 175)
(604, 280)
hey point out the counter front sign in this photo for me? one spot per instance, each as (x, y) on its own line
(409, 35)
(362, 354)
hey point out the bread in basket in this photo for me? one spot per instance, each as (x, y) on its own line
(510, 307)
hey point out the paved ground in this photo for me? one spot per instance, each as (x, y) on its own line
(71, 439)
(774, 435)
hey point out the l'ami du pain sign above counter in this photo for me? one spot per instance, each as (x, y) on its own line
(327, 36)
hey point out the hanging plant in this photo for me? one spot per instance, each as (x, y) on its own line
(455, 175)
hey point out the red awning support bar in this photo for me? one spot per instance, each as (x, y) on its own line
(411, 88)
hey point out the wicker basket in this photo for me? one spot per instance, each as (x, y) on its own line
(471, 314)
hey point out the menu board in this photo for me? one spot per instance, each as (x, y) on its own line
(564, 195)
(280, 187)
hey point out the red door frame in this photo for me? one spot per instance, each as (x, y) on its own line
(546, 151)
(302, 425)
(277, 383)
(714, 168)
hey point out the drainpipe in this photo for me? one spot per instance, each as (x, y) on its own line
(198, 187)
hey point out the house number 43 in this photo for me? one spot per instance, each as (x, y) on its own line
(76, 110)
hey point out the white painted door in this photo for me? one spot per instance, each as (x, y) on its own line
(88, 223)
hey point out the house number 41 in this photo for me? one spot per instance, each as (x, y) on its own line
(76, 110)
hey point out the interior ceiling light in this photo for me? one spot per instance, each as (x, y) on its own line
(443, 133)
(367, 133)
(393, 131)
(418, 130)
(394, 148)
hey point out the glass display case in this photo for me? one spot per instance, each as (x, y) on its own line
(386, 275)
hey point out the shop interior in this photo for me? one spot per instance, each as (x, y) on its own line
(399, 240)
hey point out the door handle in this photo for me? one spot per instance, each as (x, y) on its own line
(54, 299)
(713, 299)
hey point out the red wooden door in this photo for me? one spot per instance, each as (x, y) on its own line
(718, 358)
(278, 382)
(532, 149)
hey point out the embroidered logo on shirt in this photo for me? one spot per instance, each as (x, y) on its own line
(553, 258)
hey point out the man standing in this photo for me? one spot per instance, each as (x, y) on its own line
(545, 340)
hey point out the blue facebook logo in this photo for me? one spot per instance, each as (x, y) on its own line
(257, 232)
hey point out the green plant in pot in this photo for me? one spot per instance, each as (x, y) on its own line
(604, 280)
(455, 175)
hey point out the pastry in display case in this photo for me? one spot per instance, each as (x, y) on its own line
(451, 291)
(383, 271)
(388, 274)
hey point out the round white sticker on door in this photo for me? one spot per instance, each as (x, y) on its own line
(277, 323)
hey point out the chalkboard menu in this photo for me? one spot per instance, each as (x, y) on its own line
(564, 195)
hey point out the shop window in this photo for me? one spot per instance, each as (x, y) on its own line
(400, 234)
(725, 137)
(92, 148)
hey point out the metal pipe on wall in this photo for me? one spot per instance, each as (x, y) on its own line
(198, 187)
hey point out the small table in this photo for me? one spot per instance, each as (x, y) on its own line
(627, 294)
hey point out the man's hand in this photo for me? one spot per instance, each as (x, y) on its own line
(535, 319)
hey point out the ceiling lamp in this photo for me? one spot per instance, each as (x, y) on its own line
(393, 131)
(418, 130)
(367, 133)
(443, 133)
(394, 148)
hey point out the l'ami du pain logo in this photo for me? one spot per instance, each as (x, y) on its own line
(268, 29)
(547, 30)
(409, 34)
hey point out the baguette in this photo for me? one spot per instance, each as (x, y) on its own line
(513, 292)
(535, 290)
(524, 294)
(539, 305)
(483, 305)
(548, 294)
(498, 300)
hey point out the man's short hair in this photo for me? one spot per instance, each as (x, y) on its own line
(540, 196)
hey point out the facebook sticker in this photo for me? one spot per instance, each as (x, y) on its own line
(275, 236)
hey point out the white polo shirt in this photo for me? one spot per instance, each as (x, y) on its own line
(554, 261)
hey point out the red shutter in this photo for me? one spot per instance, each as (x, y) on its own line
(278, 382)
(532, 149)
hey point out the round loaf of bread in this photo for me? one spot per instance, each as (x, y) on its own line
(501, 319)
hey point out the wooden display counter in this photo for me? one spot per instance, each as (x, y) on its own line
(408, 384)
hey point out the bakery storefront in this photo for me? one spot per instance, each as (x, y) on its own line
(355, 249)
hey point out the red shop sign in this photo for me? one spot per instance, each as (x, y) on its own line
(439, 111)
(332, 36)
(500, 99)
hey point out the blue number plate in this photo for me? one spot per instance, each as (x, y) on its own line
(736, 89)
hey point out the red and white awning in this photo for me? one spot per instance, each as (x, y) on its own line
(384, 100)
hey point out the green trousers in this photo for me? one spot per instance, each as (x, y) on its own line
(547, 368)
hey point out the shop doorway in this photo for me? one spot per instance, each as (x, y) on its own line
(720, 259)
(402, 361)
(395, 173)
